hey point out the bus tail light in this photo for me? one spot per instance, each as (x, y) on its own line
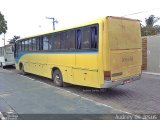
(107, 75)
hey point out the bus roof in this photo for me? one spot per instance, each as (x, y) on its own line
(123, 18)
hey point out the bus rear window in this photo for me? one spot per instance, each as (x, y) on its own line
(8, 50)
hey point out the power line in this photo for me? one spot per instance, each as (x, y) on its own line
(141, 12)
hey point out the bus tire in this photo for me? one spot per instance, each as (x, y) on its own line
(22, 69)
(57, 78)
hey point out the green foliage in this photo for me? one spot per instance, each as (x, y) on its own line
(3, 24)
(150, 28)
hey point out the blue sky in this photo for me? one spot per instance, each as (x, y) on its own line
(28, 17)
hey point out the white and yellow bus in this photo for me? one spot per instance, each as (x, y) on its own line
(102, 53)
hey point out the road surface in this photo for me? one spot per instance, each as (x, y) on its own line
(22, 95)
(137, 97)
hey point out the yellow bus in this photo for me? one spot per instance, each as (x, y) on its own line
(102, 53)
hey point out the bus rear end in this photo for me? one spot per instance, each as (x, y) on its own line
(124, 51)
(8, 55)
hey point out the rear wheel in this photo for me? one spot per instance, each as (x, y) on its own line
(57, 78)
(22, 69)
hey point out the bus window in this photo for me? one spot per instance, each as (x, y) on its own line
(16, 48)
(38, 43)
(63, 40)
(78, 39)
(34, 44)
(41, 43)
(50, 41)
(45, 43)
(30, 44)
(86, 38)
(94, 37)
(19, 46)
(26, 45)
(56, 42)
(71, 39)
(23, 46)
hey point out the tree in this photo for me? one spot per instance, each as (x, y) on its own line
(150, 28)
(3, 24)
(13, 40)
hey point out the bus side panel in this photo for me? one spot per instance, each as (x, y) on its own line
(101, 53)
(35, 63)
(86, 78)
(42, 64)
(24, 60)
(32, 66)
(87, 61)
(65, 62)
(67, 73)
(86, 69)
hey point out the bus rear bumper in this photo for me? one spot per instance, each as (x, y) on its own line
(110, 84)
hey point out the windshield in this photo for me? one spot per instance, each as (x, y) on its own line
(9, 49)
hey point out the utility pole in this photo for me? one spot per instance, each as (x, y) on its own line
(53, 21)
(4, 43)
(4, 39)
